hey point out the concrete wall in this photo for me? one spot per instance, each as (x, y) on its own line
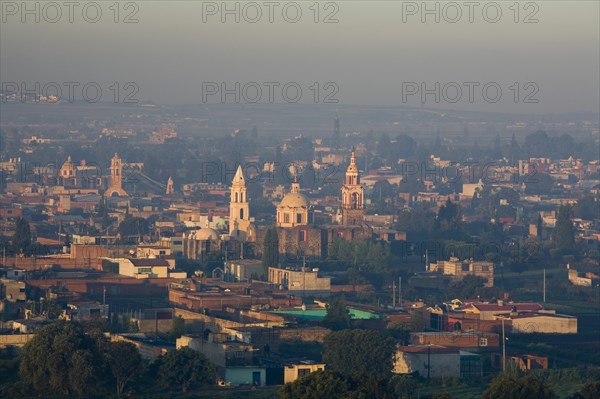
(12, 290)
(545, 324)
(115, 286)
(457, 340)
(14, 339)
(291, 371)
(299, 281)
(243, 375)
(443, 365)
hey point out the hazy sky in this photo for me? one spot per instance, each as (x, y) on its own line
(374, 50)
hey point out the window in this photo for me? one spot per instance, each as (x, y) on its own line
(303, 371)
(145, 270)
(483, 342)
(485, 268)
(161, 252)
(354, 200)
(286, 218)
(302, 236)
(298, 218)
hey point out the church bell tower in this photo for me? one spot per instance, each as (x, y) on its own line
(239, 211)
(353, 210)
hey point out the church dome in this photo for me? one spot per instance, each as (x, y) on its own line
(294, 200)
(206, 234)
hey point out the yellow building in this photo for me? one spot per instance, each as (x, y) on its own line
(459, 269)
(293, 371)
(294, 209)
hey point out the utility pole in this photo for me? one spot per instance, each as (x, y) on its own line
(428, 361)
(393, 294)
(400, 291)
(544, 285)
(303, 278)
(503, 347)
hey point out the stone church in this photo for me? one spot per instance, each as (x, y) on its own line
(300, 238)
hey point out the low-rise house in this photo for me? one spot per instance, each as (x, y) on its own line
(488, 311)
(12, 290)
(16, 274)
(293, 371)
(436, 361)
(432, 361)
(28, 326)
(243, 270)
(152, 251)
(457, 339)
(460, 269)
(150, 347)
(145, 268)
(583, 279)
(541, 323)
(86, 310)
(234, 360)
(303, 282)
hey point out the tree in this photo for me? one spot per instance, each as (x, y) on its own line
(61, 359)
(404, 386)
(125, 363)
(400, 332)
(185, 368)
(381, 196)
(177, 327)
(337, 317)
(509, 387)
(564, 232)
(538, 183)
(587, 208)
(270, 255)
(133, 226)
(467, 287)
(449, 221)
(590, 390)
(359, 351)
(102, 212)
(316, 385)
(331, 384)
(21, 240)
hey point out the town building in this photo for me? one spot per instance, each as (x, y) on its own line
(146, 268)
(243, 270)
(293, 371)
(233, 360)
(303, 282)
(588, 279)
(460, 269)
